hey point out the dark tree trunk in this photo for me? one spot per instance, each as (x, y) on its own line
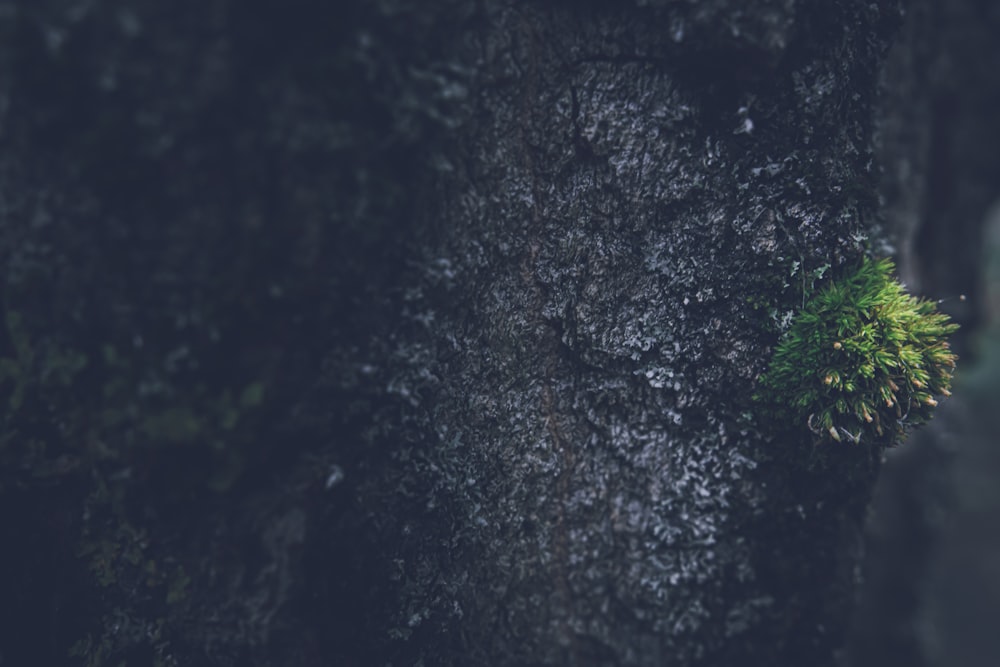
(429, 333)
(628, 205)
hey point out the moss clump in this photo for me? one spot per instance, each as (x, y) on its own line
(862, 361)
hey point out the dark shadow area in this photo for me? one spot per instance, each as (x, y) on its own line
(931, 587)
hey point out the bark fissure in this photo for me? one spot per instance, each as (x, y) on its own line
(550, 344)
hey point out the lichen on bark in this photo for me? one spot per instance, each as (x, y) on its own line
(496, 269)
(579, 386)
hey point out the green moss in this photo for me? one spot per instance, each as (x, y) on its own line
(862, 361)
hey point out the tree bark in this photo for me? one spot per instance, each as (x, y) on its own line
(628, 207)
(427, 334)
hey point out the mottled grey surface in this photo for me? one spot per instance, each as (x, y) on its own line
(425, 333)
(623, 217)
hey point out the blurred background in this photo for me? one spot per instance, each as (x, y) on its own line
(932, 575)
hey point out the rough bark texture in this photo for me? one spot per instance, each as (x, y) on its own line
(405, 333)
(620, 215)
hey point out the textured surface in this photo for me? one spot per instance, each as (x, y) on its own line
(625, 218)
(407, 332)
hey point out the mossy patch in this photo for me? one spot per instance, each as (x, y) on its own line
(862, 362)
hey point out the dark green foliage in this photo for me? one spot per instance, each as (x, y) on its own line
(862, 361)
